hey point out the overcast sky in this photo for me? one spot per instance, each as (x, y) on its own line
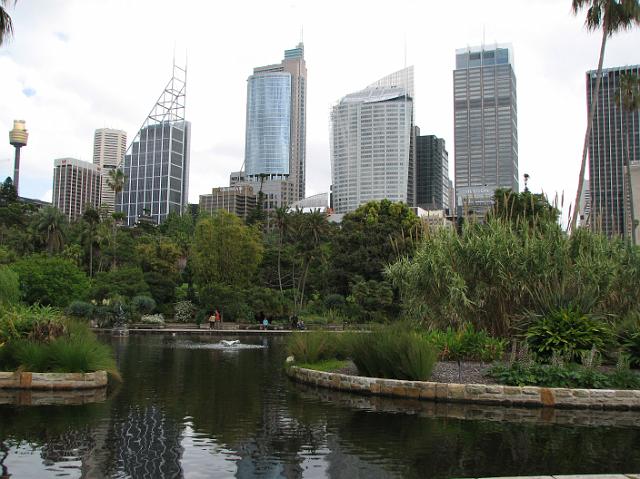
(77, 65)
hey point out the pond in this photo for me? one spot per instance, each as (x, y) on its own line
(191, 408)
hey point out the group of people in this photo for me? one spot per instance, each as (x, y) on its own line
(215, 320)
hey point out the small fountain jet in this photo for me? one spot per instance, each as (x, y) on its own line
(230, 343)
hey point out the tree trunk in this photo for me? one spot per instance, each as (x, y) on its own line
(585, 148)
(279, 254)
(630, 215)
(113, 259)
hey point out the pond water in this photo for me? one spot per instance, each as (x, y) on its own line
(190, 408)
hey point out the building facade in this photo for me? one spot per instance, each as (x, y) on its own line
(372, 154)
(76, 186)
(275, 141)
(156, 165)
(485, 126)
(239, 200)
(614, 141)
(109, 147)
(432, 173)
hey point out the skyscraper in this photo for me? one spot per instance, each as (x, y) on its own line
(76, 186)
(432, 173)
(485, 125)
(372, 156)
(156, 165)
(615, 139)
(109, 146)
(275, 145)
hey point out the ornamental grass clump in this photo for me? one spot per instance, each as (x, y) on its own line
(313, 346)
(41, 339)
(393, 353)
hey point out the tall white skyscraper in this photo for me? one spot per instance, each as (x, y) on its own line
(485, 125)
(372, 154)
(109, 147)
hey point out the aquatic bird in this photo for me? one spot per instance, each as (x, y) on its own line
(230, 343)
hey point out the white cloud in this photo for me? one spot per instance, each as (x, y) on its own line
(93, 64)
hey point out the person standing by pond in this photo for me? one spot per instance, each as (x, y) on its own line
(217, 318)
(212, 319)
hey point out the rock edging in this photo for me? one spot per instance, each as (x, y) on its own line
(52, 381)
(528, 396)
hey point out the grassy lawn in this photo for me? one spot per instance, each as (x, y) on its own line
(328, 365)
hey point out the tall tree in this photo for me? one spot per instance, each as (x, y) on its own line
(92, 218)
(612, 16)
(628, 97)
(50, 225)
(281, 219)
(116, 183)
(6, 25)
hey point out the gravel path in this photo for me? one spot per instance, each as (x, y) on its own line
(446, 372)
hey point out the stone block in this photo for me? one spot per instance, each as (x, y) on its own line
(441, 391)
(581, 393)
(473, 390)
(456, 392)
(494, 389)
(511, 391)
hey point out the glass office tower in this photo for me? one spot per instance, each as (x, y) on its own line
(156, 165)
(614, 140)
(485, 126)
(275, 140)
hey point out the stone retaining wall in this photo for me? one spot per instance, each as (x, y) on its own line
(528, 396)
(52, 381)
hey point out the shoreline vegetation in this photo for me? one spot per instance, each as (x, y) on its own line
(41, 339)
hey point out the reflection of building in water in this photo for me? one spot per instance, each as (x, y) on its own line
(145, 443)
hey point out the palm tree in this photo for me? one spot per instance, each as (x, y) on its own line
(6, 25)
(50, 225)
(282, 224)
(612, 16)
(628, 97)
(116, 183)
(91, 217)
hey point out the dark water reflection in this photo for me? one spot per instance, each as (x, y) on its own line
(188, 410)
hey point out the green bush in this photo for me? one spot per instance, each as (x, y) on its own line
(567, 332)
(393, 352)
(30, 322)
(492, 274)
(76, 349)
(334, 301)
(9, 286)
(126, 282)
(312, 346)
(466, 344)
(50, 280)
(152, 319)
(81, 309)
(632, 348)
(561, 376)
(143, 304)
(184, 311)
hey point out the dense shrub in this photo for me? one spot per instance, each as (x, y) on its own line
(126, 282)
(567, 332)
(152, 319)
(466, 344)
(40, 339)
(393, 352)
(80, 309)
(184, 311)
(50, 280)
(491, 274)
(9, 286)
(563, 376)
(632, 348)
(143, 304)
(334, 301)
(269, 301)
(312, 347)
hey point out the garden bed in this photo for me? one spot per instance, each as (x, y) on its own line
(528, 396)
